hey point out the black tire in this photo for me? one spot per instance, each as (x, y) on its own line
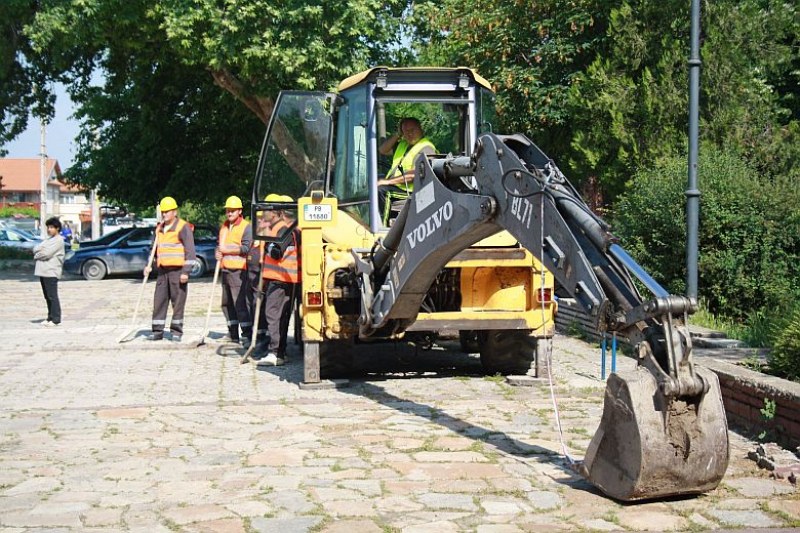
(199, 268)
(94, 270)
(507, 351)
(468, 338)
(335, 359)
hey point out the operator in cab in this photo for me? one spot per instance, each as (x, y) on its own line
(408, 143)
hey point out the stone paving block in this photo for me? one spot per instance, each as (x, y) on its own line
(599, 524)
(763, 488)
(397, 504)
(42, 518)
(38, 484)
(294, 501)
(102, 516)
(427, 471)
(498, 528)
(790, 507)
(250, 508)
(352, 526)
(641, 520)
(440, 526)
(196, 513)
(500, 507)
(360, 508)
(475, 486)
(750, 518)
(450, 457)
(698, 520)
(301, 524)
(225, 525)
(543, 499)
(447, 501)
(277, 457)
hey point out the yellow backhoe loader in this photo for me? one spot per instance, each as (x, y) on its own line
(490, 221)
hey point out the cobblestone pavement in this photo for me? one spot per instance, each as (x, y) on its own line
(144, 436)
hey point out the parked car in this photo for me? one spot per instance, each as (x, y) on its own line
(15, 238)
(126, 250)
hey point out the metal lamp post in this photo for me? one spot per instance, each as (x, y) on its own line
(692, 192)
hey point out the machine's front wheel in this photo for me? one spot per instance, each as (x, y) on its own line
(507, 351)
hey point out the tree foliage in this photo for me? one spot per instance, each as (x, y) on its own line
(785, 355)
(531, 50)
(173, 95)
(603, 86)
(749, 236)
(630, 106)
(18, 90)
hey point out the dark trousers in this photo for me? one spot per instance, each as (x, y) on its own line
(275, 315)
(169, 289)
(234, 303)
(50, 291)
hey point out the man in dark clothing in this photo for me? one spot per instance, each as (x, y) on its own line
(175, 255)
(235, 241)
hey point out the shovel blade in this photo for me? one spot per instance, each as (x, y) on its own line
(648, 446)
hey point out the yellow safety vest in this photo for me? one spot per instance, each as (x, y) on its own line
(169, 246)
(233, 235)
(404, 158)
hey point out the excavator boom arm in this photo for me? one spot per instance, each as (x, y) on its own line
(663, 431)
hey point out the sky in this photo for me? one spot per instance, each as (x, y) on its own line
(59, 135)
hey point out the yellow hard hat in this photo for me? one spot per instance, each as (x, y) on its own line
(168, 203)
(272, 197)
(286, 198)
(233, 202)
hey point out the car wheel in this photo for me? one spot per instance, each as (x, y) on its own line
(94, 269)
(198, 268)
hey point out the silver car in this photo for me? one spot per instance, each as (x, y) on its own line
(15, 238)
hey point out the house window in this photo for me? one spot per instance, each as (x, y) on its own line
(67, 199)
(15, 197)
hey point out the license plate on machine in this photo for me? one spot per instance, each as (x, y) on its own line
(317, 212)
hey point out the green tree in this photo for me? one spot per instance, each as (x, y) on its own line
(530, 50)
(18, 92)
(630, 106)
(173, 95)
(749, 232)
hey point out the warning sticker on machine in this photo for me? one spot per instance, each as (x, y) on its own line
(424, 197)
(317, 213)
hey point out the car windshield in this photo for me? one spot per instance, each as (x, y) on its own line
(12, 235)
(26, 233)
(108, 238)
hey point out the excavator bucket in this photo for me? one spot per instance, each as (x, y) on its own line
(650, 446)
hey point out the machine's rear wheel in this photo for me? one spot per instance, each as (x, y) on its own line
(335, 359)
(468, 338)
(507, 351)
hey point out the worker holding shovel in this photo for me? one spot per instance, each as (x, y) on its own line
(235, 240)
(175, 256)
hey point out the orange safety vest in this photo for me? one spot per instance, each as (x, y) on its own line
(233, 235)
(169, 246)
(286, 268)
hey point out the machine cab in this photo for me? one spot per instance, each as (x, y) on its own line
(328, 144)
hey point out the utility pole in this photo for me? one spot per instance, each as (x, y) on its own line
(692, 192)
(95, 215)
(43, 180)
